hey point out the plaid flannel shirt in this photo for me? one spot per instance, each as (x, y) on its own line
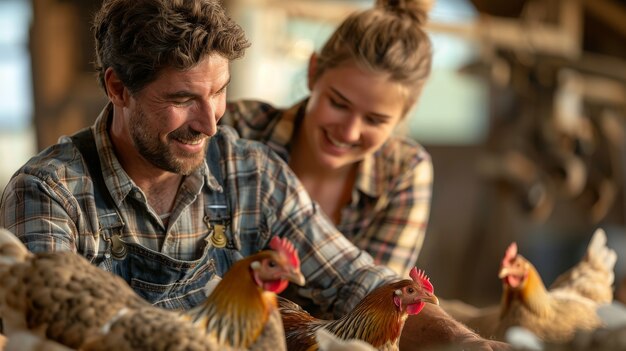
(49, 204)
(388, 213)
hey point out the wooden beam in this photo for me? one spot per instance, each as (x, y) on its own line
(563, 39)
(609, 12)
(326, 11)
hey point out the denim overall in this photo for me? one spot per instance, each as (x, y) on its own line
(162, 280)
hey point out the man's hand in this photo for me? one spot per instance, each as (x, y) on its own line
(434, 328)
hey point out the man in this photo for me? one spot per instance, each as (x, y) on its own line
(155, 193)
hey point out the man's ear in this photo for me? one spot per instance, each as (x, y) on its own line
(117, 92)
(312, 71)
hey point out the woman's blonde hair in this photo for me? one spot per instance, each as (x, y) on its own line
(388, 38)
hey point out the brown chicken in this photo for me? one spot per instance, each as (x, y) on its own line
(378, 319)
(570, 305)
(242, 310)
(63, 298)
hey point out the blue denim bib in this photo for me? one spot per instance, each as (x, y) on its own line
(162, 280)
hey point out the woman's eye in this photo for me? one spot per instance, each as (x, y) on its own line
(373, 121)
(337, 104)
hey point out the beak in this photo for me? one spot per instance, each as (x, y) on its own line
(504, 271)
(295, 277)
(430, 298)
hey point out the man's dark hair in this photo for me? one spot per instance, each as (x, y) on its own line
(138, 38)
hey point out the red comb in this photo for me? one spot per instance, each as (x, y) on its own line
(421, 278)
(285, 247)
(509, 254)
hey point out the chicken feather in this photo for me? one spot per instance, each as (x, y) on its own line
(593, 276)
(60, 297)
(378, 319)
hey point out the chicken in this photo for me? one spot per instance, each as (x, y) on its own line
(57, 296)
(378, 319)
(247, 294)
(593, 276)
(61, 297)
(569, 305)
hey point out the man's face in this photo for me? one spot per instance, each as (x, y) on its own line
(171, 119)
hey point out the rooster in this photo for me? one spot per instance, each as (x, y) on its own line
(378, 319)
(61, 297)
(569, 305)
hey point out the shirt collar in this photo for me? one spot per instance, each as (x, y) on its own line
(369, 177)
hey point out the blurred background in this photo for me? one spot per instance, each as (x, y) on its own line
(524, 115)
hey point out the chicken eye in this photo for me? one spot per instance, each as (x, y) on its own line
(272, 264)
(410, 290)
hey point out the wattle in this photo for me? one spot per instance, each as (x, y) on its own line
(275, 286)
(415, 308)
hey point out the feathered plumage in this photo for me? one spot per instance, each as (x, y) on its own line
(241, 311)
(593, 276)
(570, 305)
(378, 319)
(58, 296)
(61, 297)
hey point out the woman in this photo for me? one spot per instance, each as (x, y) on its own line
(374, 185)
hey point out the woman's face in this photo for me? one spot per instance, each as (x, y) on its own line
(350, 114)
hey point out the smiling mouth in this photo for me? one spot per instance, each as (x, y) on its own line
(190, 142)
(336, 142)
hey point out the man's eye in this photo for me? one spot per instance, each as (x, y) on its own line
(182, 102)
(221, 91)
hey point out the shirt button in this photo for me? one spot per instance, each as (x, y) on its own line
(137, 195)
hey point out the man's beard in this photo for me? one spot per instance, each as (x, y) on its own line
(158, 153)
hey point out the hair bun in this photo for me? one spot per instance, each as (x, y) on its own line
(417, 9)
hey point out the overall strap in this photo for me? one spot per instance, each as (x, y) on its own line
(109, 218)
(86, 144)
(213, 157)
(217, 209)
